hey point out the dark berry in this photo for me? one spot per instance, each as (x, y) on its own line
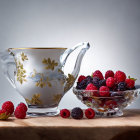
(82, 85)
(96, 81)
(121, 86)
(77, 113)
(102, 83)
(89, 78)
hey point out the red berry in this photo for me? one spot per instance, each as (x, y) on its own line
(23, 106)
(89, 113)
(8, 107)
(110, 82)
(65, 113)
(98, 74)
(130, 83)
(20, 113)
(109, 73)
(120, 76)
(4, 115)
(111, 104)
(91, 87)
(81, 78)
(104, 91)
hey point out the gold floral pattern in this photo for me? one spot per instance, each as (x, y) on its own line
(50, 63)
(20, 72)
(59, 70)
(41, 83)
(70, 81)
(35, 100)
(48, 83)
(57, 98)
(24, 57)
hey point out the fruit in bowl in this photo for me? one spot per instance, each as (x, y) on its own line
(108, 95)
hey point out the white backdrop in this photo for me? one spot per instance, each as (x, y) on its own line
(111, 26)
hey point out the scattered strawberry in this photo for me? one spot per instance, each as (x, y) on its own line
(81, 78)
(23, 106)
(109, 73)
(4, 115)
(120, 76)
(110, 82)
(8, 107)
(98, 74)
(65, 113)
(91, 87)
(20, 113)
(90, 113)
(130, 83)
(104, 91)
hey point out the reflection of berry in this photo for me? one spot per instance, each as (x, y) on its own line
(111, 104)
(110, 82)
(77, 113)
(23, 106)
(96, 81)
(89, 113)
(121, 86)
(82, 77)
(8, 107)
(130, 83)
(120, 76)
(65, 113)
(98, 74)
(20, 113)
(91, 87)
(104, 91)
(102, 83)
(109, 73)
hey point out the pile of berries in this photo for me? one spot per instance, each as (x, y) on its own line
(77, 113)
(104, 84)
(8, 109)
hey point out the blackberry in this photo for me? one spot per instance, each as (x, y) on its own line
(102, 83)
(82, 85)
(89, 79)
(77, 113)
(122, 86)
(96, 82)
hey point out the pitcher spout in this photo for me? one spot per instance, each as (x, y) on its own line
(72, 77)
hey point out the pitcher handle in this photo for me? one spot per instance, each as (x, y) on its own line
(7, 62)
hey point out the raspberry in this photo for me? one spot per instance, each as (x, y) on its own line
(121, 86)
(109, 73)
(4, 115)
(110, 82)
(8, 107)
(65, 113)
(91, 87)
(20, 113)
(82, 77)
(120, 76)
(130, 83)
(23, 106)
(89, 113)
(111, 104)
(77, 113)
(98, 74)
(104, 91)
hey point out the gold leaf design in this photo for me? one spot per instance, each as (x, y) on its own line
(34, 73)
(20, 72)
(59, 70)
(50, 63)
(48, 83)
(57, 98)
(4, 116)
(41, 82)
(24, 57)
(70, 81)
(35, 100)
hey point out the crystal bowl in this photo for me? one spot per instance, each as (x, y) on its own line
(107, 106)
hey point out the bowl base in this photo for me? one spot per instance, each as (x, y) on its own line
(38, 112)
(109, 113)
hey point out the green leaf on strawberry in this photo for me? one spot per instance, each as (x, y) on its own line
(132, 78)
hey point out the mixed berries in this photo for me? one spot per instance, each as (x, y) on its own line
(8, 109)
(77, 113)
(111, 82)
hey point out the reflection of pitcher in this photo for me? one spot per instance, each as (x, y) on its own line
(39, 75)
